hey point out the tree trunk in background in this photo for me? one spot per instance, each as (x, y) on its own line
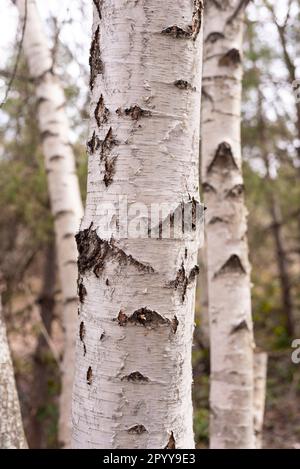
(259, 397)
(66, 205)
(203, 299)
(229, 288)
(133, 362)
(282, 264)
(41, 366)
(11, 426)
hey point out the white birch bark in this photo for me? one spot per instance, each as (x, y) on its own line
(64, 193)
(11, 427)
(133, 363)
(203, 298)
(231, 331)
(259, 397)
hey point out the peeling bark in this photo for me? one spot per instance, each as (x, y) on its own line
(140, 393)
(11, 426)
(66, 205)
(231, 330)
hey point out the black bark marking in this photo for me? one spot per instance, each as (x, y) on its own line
(236, 191)
(220, 5)
(71, 299)
(47, 133)
(56, 158)
(193, 273)
(107, 282)
(136, 377)
(185, 253)
(102, 336)
(110, 169)
(41, 100)
(109, 161)
(98, 5)
(171, 443)
(194, 203)
(137, 429)
(122, 318)
(135, 112)
(96, 64)
(147, 318)
(81, 291)
(239, 327)
(176, 32)
(101, 112)
(232, 265)
(107, 144)
(82, 336)
(192, 31)
(82, 331)
(231, 58)
(93, 144)
(216, 220)
(174, 324)
(182, 280)
(89, 376)
(68, 236)
(208, 188)
(183, 85)
(214, 37)
(223, 158)
(62, 213)
(94, 252)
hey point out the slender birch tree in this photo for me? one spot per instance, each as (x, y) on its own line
(231, 330)
(11, 427)
(259, 396)
(64, 193)
(133, 361)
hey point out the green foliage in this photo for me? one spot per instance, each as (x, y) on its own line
(201, 427)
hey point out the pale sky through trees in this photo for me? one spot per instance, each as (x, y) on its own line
(75, 18)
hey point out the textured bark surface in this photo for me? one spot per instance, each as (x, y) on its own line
(203, 299)
(133, 367)
(66, 205)
(259, 397)
(231, 394)
(11, 426)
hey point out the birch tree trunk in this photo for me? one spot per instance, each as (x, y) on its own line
(11, 426)
(203, 298)
(231, 330)
(66, 205)
(259, 397)
(133, 363)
